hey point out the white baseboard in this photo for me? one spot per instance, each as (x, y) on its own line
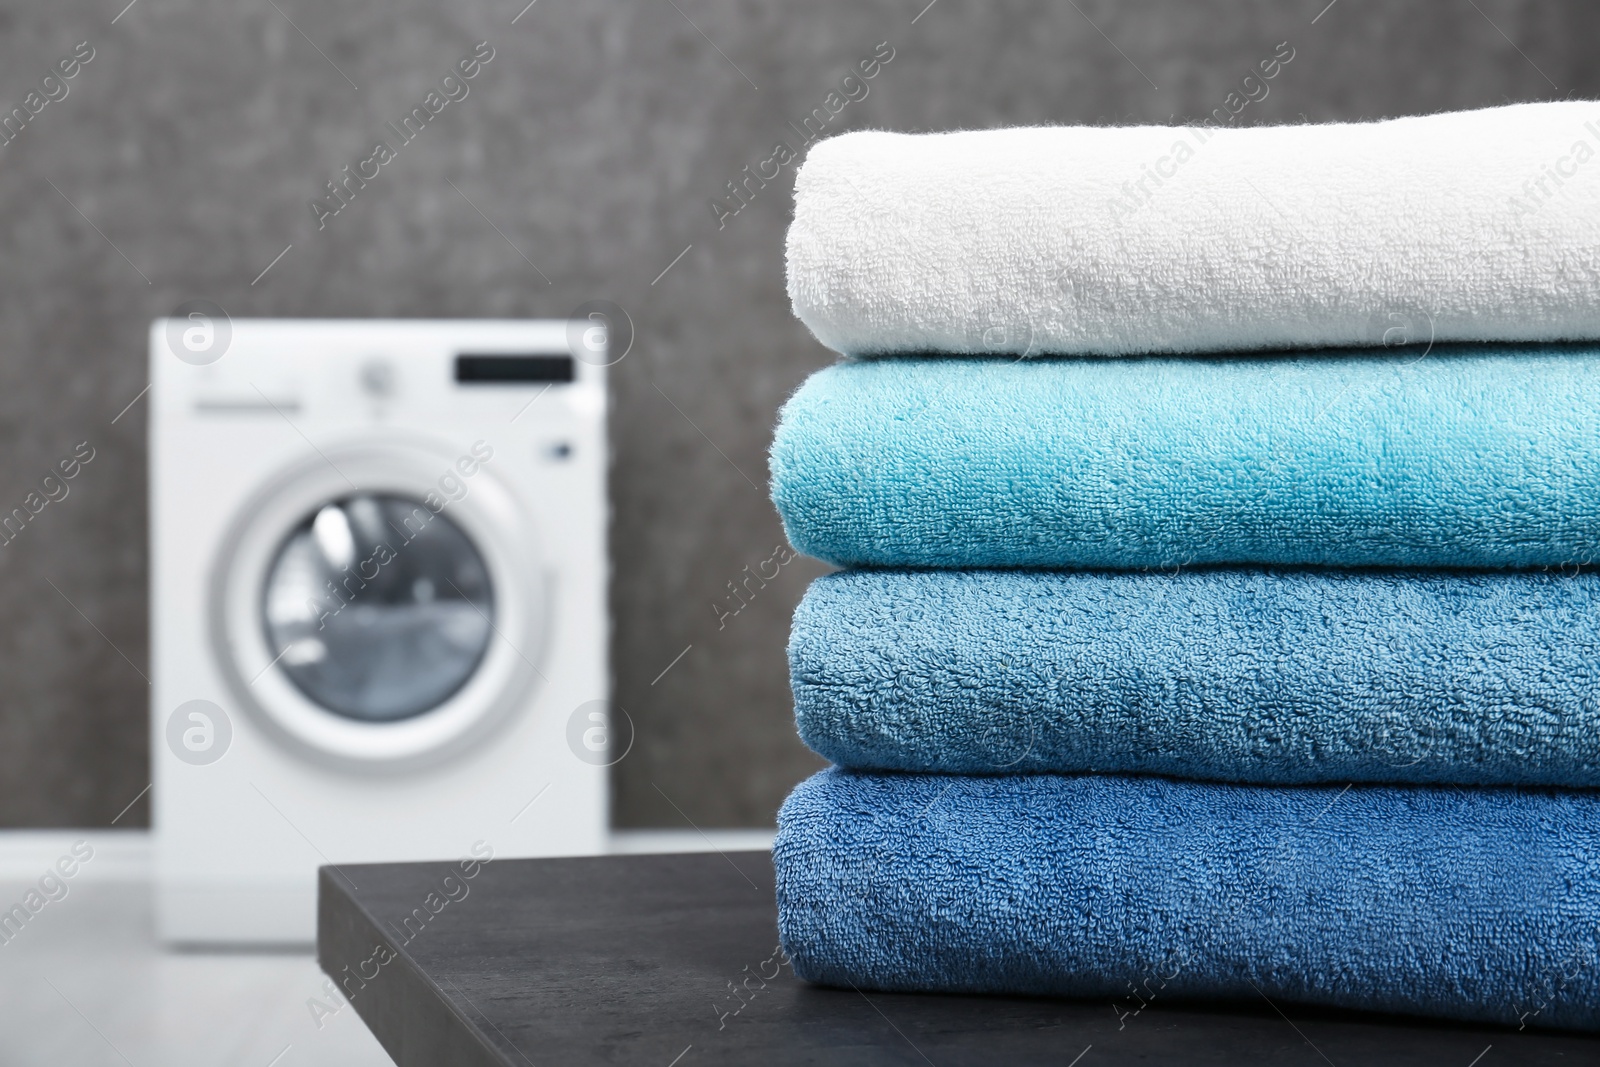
(124, 855)
(118, 855)
(636, 841)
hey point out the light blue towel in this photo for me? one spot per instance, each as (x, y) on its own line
(1486, 457)
(1477, 904)
(1234, 674)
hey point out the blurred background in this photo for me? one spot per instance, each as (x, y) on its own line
(584, 162)
(584, 165)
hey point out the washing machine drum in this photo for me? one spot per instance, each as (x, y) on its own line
(365, 617)
(371, 631)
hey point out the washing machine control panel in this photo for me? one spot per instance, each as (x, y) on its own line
(345, 372)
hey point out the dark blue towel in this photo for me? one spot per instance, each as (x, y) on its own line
(1478, 904)
(1237, 675)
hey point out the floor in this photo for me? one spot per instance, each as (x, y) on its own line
(86, 983)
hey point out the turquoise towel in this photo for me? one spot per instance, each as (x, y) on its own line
(1484, 457)
(1234, 674)
(1476, 904)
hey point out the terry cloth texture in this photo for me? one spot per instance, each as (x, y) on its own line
(1482, 458)
(1154, 239)
(1465, 903)
(1233, 675)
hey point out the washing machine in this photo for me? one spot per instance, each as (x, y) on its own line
(378, 596)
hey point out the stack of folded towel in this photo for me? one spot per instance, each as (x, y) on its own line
(1218, 616)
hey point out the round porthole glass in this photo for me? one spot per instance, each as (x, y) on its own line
(378, 609)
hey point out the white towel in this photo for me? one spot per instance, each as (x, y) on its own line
(1470, 226)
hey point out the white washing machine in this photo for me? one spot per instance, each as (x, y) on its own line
(378, 598)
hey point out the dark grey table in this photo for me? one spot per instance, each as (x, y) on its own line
(671, 961)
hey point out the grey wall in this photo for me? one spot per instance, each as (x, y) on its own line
(595, 141)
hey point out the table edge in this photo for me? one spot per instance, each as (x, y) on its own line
(417, 1024)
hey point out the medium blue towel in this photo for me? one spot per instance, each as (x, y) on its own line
(1240, 675)
(1485, 457)
(1475, 904)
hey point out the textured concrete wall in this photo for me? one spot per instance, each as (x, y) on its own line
(182, 161)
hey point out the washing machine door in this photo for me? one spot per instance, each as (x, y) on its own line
(383, 605)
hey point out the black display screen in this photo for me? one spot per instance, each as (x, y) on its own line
(488, 369)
